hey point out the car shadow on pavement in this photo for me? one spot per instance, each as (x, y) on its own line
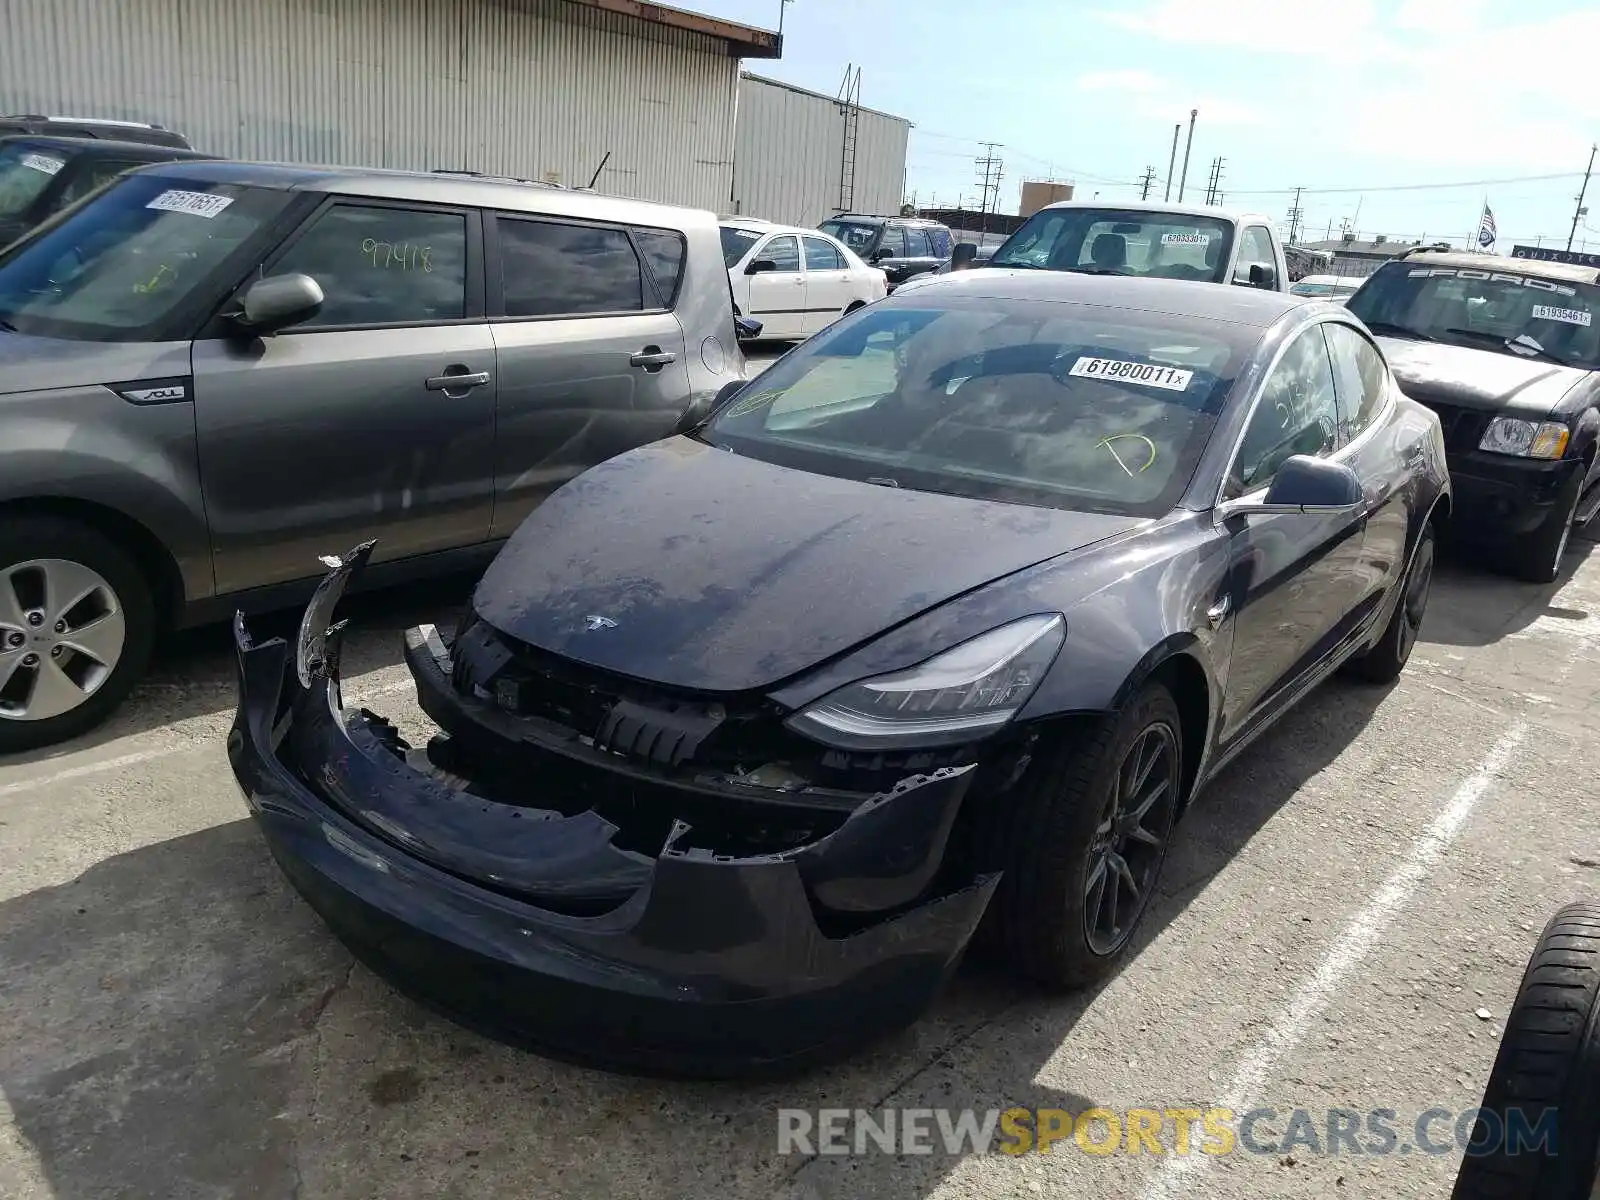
(191, 676)
(176, 1023)
(1473, 605)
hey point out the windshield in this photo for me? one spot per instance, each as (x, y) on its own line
(25, 172)
(118, 266)
(1168, 245)
(736, 243)
(1047, 404)
(1507, 312)
(855, 234)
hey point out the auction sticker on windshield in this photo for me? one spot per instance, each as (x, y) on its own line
(1172, 379)
(1567, 316)
(42, 162)
(196, 204)
(1185, 239)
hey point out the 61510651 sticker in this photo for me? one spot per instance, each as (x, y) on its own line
(1567, 316)
(42, 162)
(196, 204)
(1171, 379)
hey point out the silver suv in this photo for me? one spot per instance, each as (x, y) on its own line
(211, 373)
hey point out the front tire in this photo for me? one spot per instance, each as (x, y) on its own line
(1080, 841)
(77, 623)
(1384, 662)
(1549, 1061)
(1537, 558)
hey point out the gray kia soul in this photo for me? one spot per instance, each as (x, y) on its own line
(212, 373)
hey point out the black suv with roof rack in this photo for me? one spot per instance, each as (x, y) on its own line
(93, 127)
(41, 176)
(900, 247)
(1507, 352)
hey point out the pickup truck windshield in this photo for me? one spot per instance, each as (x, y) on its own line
(25, 172)
(1554, 320)
(119, 266)
(1122, 242)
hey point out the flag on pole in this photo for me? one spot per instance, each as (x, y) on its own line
(1486, 230)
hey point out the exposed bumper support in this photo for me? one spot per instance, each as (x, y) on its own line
(688, 963)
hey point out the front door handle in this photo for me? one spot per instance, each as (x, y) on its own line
(456, 379)
(652, 358)
(1218, 611)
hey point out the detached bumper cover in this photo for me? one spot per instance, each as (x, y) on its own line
(712, 966)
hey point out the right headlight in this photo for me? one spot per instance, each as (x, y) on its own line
(958, 696)
(1525, 439)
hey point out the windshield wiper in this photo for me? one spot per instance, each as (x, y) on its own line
(1522, 345)
(1097, 271)
(1399, 331)
(7, 326)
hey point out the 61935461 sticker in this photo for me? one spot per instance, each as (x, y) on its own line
(1567, 316)
(1172, 379)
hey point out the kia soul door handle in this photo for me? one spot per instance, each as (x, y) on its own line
(456, 379)
(652, 358)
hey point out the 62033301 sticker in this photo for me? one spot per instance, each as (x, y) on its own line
(1185, 239)
(1171, 379)
(1567, 316)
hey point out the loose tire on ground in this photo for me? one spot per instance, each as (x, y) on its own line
(1549, 1059)
(1041, 835)
(29, 538)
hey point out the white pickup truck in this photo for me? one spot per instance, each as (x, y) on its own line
(1168, 241)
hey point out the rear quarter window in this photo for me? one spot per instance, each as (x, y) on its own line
(664, 251)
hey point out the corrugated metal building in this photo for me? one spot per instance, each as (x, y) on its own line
(789, 151)
(529, 88)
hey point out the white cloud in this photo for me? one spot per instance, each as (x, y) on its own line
(1134, 80)
(1158, 99)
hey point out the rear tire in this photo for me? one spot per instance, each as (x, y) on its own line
(1549, 1060)
(82, 560)
(1049, 836)
(1537, 558)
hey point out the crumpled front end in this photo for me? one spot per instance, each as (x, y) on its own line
(517, 908)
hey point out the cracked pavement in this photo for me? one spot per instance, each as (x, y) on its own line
(176, 1023)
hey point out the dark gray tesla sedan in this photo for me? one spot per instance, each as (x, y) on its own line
(941, 623)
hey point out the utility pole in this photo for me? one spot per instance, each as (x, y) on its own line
(1213, 195)
(1146, 182)
(1187, 146)
(989, 180)
(1172, 159)
(1578, 212)
(1295, 214)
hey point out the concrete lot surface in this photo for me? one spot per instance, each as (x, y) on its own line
(175, 1023)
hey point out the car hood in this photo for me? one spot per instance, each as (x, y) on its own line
(1482, 379)
(37, 364)
(692, 567)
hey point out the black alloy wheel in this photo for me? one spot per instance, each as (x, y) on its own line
(1384, 662)
(1131, 839)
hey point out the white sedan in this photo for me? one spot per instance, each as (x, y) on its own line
(795, 281)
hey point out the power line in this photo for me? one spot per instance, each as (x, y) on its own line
(1406, 187)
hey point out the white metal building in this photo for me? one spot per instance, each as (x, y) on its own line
(789, 155)
(529, 88)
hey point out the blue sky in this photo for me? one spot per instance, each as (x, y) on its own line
(1371, 95)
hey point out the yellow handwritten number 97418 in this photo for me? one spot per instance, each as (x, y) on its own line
(407, 256)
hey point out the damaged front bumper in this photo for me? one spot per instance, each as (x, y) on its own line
(531, 924)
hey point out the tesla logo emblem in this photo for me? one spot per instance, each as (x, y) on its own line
(592, 623)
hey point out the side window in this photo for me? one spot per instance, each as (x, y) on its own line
(1361, 376)
(663, 252)
(917, 244)
(894, 238)
(820, 256)
(1296, 414)
(553, 270)
(940, 240)
(784, 251)
(1255, 246)
(383, 266)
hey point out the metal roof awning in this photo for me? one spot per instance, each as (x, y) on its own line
(742, 41)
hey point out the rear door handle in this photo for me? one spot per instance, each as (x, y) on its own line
(456, 379)
(652, 358)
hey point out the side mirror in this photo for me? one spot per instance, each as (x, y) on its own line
(881, 253)
(760, 266)
(1264, 276)
(278, 302)
(963, 255)
(747, 328)
(701, 408)
(1305, 484)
